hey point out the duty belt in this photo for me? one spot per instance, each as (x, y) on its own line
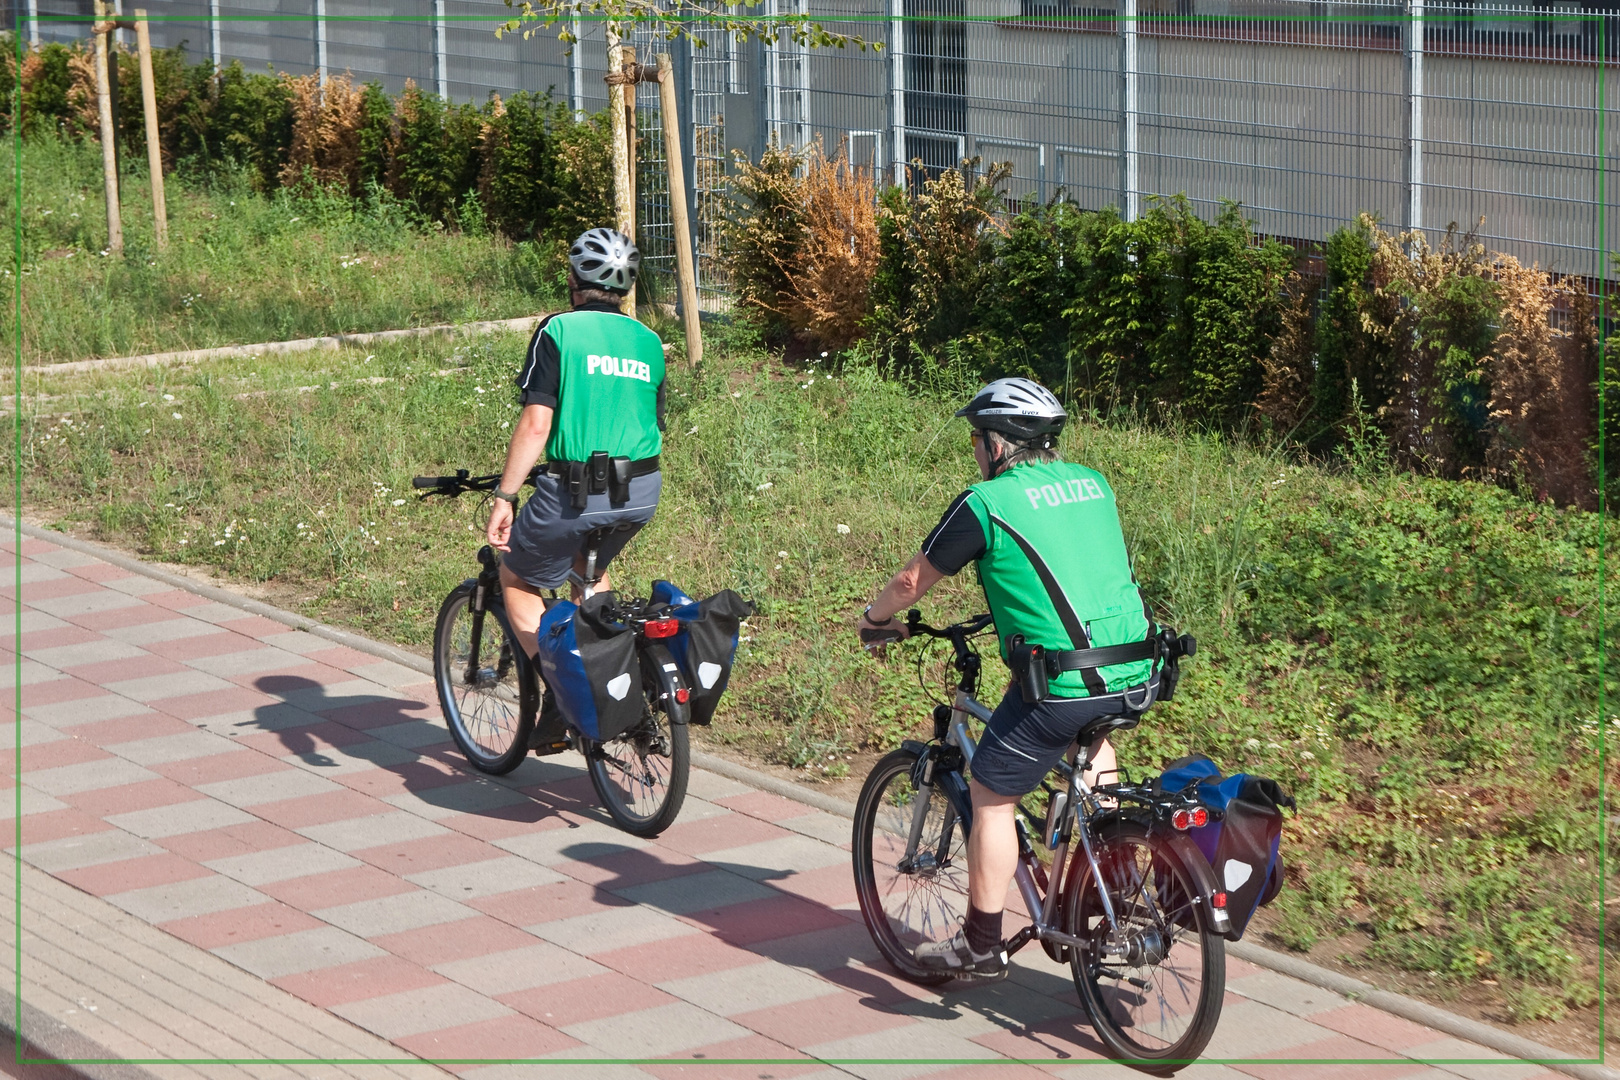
(600, 475)
(1106, 656)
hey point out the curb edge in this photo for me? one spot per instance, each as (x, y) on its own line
(1352, 988)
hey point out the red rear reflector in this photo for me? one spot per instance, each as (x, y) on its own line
(1200, 818)
(1218, 900)
(683, 695)
(1181, 819)
(662, 628)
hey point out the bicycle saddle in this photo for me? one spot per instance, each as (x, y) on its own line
(1106, 725)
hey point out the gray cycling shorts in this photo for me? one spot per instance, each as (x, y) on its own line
(550, 530)
(1023, 742)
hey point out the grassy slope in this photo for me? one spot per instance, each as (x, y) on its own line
(240, 268)
(1415, 659)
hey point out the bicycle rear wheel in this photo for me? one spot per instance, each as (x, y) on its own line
(486, 686)
(1154, 990)
(908, 899)
(641, 775)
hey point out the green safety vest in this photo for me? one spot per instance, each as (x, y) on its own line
(607, 393)
(1054, 528)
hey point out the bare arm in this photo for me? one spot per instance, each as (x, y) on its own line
(907, 587)
(522, 454)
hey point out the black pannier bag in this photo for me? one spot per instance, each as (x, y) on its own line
(707, 643)
(1243, 839)
(589, 663)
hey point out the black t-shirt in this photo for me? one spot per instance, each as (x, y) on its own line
(957, 540)
(541, 377)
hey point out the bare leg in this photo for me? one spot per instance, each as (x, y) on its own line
(524, 607)
(575, 593)
(992, 849)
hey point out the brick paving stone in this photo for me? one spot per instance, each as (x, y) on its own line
(834, 1016)
(719, 833)
(373, 977)
(148, 871)
(688, 893)
(471, 881)
(162, 626)
(234, 926)
(313, 810)
(71, 779)
(697, 1062)
(631, 868)
(180, 682)
(1487, 1064)
(42, 757)
(678, 957)
(374, 830)
(215, 702)
(89, 608)
(90, 648)
(394, 914)
(166, 748)
(52, 825)
(574, 839)
(335, 888)
(49, 585)
(1295, 1066)
(232, 840)
(198, 816)
(411, 779)
(749, 989)
(585, 1000)
(250, 658)
(755, 921)
(56, 636)
(502, 1037)
(1374, 1026)
(764, 805)
(298, 859)
(415, 1011)
(139, 674)
(448, 849)
(277, 785)
(446, 943)
(775, 859)
(135, 613)
(467, 797)
(831, 886)
(232, 764)
(186, 899)
(255, 626)
(538, 964)
(77, 701)
(126, 797)
(541, 903)
(1281, 992)
(821, 950)
(613, 928)
(828, 828)
(75, 852)
(913, 1040)
(1253, 1029)
(190, 648)
(324, 947)
(120, 729)
(412, 734)
(667, 1029)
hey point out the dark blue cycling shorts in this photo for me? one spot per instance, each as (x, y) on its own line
(1022, 742)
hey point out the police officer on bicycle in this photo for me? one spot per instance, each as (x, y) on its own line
(1051, 558)
(593, 402)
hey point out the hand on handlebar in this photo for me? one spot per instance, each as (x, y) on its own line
(499, 530)
(875, 637)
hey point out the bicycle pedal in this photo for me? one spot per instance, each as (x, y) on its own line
(549, 748)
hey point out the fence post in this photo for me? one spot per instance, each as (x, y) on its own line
(213, 33)
(440, 56)
(1414, 82)
(33, 23)
(897, 88)
(685, 264)
(320, 41)
(576, 64)
(624, 207)
(1129, 180)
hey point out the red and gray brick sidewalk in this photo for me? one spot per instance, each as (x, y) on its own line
(278, 828)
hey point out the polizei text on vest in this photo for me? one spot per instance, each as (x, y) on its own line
(613, 365)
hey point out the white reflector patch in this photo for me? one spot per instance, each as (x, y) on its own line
(708, 674)
(1236, 873)
(619, 686)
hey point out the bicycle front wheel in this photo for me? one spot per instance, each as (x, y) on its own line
(909, 894)
(1153, 987)
(486, 686)
(641, 775)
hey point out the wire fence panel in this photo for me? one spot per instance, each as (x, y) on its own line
(1306, 112)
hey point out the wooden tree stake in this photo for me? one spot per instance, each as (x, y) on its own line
(102, 30)
(685, 267)
(624, 206)
(154, 151)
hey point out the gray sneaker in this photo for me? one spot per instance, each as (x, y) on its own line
(954, 957)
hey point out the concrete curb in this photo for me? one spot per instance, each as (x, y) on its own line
(45, 1037)
(334, 341)
(1409, 1008)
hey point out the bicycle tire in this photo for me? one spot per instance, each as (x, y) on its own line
(620, 766)
(1153, 894)
(903, 908)
(490, 712)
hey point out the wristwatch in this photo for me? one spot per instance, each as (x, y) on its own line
(867, 615)
(506, 495)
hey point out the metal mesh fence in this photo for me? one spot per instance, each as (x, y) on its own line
(1306, 112)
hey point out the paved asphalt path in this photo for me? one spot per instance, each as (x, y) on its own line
(285, 823)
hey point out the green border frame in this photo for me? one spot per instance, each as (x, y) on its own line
(14, 107)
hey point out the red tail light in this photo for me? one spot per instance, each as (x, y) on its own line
(1200, 818)
(1218, 900)
(683, 695)
(662, 628)
(1181, 819)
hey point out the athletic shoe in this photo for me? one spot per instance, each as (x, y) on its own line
(954, 957)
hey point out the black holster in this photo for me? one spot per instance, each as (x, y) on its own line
(1028, 664)
(618, 480)
(578, 487)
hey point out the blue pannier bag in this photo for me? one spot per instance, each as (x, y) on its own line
(706, 644)
(1244, 836)
(589, 664)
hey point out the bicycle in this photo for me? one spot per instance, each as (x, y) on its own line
(489, 688)
(1135, 911)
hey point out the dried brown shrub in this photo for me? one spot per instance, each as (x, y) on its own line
(86, 119)
(1289, 369)
(831, 281)
(762, 236)
(325, 139)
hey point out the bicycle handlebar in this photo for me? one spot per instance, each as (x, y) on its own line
(453, 486)
(963, 630)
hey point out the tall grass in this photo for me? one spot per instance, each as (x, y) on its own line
(242, 267)
(1416, 659)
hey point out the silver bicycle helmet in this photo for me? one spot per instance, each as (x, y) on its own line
(1021, 409)
(605, 258)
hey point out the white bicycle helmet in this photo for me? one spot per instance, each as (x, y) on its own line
(605, 258)
(1021, 409)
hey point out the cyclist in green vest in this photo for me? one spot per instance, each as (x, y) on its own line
(593, 403)
(1052, 561)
